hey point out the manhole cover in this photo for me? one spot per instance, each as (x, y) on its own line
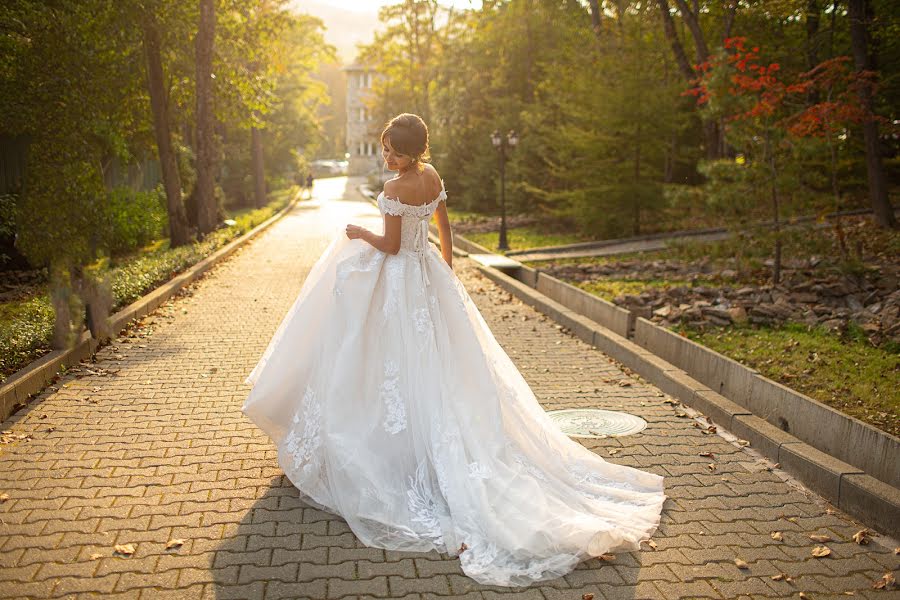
(596, 423)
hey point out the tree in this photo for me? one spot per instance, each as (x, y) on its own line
(179, 232)
(206, 206)
(881, 206)
(691, 18)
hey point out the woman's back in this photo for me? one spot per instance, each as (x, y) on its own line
(415, 188)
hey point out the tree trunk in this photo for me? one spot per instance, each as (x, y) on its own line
(881, 206)
(773, 190)
(595, 16)
(669, 27)
(692, 21)
(179, 233)
(259, 174)
(812, 44)
(711, 133)
(207, 212)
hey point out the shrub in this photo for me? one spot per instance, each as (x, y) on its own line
(132, 219)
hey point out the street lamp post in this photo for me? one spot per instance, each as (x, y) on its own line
(501, 144)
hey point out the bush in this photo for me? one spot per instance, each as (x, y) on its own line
(25, 329)
(132, 219)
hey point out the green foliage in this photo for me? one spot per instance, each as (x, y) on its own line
(25, 328)
(132, 218)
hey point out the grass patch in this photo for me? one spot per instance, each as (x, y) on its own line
(524, 238)
(26, 326)
(843, 371)
(610, 288)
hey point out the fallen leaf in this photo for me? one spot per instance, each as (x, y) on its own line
(712, 466)
(887, 582)
(607, 557)
(743, 443)
(177, 543)
(4, 497)
(781, 576)
(587, 596)
(897, 550)
(820, 538)
(124, 549)
(776, 535)
(741, 564)
(821, 551)
(462, 548)
(96, 555)
(706, 454)
(613, 451)
(624, 383)
(849, 593)
(802, 595)
(861, 537)
(650, 543)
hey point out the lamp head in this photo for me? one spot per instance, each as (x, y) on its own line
(495, 139)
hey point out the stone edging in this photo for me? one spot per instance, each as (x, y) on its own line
(31, 379)
(846, 486)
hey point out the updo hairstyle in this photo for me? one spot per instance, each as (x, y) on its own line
(408, 135)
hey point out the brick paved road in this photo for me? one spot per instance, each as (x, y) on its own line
(151, 446)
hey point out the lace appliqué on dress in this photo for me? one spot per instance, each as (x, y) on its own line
(364, 260)
(420, 502)
(303, 448)
(478, 470)
(395, 412)
(394, 280)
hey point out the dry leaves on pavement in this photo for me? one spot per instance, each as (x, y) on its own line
(861, 537)
(124, 549)
(887, 582)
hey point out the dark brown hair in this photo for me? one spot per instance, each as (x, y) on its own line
(408, 135)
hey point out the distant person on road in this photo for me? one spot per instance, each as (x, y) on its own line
(309, 185)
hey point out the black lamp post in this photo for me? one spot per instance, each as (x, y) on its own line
(501, 144)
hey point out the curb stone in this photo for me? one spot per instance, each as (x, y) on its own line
(19, 387)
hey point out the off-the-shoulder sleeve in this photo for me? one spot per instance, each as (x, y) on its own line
(390, 206)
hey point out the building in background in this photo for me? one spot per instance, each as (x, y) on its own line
(363, 145)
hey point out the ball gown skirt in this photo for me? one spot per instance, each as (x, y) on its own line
(392, 405)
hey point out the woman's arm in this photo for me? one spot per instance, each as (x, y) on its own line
(388, 243)
(443, 224)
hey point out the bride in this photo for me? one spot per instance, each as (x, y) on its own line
(392, 405)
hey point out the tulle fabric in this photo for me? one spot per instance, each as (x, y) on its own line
(392, 405)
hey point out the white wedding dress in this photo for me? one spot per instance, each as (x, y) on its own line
(392, 405)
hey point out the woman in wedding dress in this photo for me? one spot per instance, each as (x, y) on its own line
(392, 405)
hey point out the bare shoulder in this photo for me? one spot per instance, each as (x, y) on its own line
(392, 187)
(435, 184)
(435, 176)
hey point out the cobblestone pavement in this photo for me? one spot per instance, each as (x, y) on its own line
(148, 445)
